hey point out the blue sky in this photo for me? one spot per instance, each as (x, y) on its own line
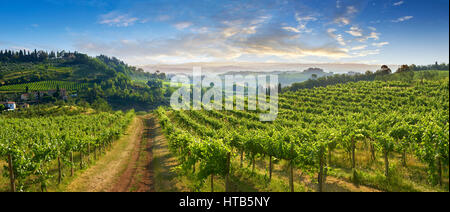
(254, 31)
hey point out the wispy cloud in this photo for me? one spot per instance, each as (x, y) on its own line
(338, 37)
(371, 35)
(342, 20)
(355, 31)
(398, 3)
(302, 22)
(183, 25)
(117, 19)
(359, 47)
(401, 19)
(381, 44)
(345, 13)
(292, 29)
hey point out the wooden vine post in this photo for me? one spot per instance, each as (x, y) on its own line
(270, 168)
(291, 172)
(81, 159)
(386, 163)
(212, 182)
(89, 153)
(11, 174)
(71, 163)
(353, 153)
(59, 170)
(227, 176)
(320, 176)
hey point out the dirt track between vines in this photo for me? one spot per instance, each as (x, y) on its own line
(127, 167)
(138, 175)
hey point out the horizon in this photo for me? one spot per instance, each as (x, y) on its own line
(175, 32)
(220, 68)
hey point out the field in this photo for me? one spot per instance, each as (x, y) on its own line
(389, 136)
(40, 151)
(364, 136)
(44, 86)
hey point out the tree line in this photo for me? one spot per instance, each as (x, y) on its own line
(403, 73)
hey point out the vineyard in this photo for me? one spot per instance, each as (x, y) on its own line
(374, 129)
(35, 151)
(44, 86)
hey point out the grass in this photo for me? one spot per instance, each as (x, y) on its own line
(412, 178)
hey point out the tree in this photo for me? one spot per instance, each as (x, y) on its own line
(403, 68)
(384, 70)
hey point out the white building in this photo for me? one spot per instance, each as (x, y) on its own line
(9, 105)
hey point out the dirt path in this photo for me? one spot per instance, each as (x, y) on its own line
(126, 167)
(138, 176)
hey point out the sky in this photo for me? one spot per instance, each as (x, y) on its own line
(233, 31)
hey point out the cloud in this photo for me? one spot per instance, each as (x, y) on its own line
(302, 22)
(359, 47)
(351, 10)
(342, 20)
(338, 37)
(279, 30)
(355, 31)
(401, 19)
(346, 12)
(292, 29)
(117, 19)
(371, 35)
(398, 3)
(183, 25)
(232, 42)
(381, 44)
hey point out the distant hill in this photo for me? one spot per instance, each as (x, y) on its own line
(287, 78)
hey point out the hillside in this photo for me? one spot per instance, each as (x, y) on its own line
(92, 78)
(404, 76)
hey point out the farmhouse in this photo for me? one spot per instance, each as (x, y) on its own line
(9, 105)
